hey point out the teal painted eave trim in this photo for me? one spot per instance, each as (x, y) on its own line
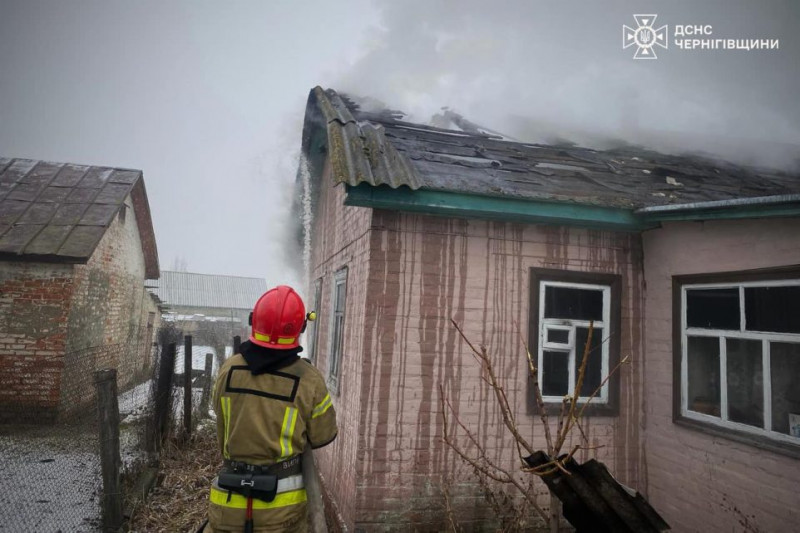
(509, 209)
(541, 212)
(730, 213)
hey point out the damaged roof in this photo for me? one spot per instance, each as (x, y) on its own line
(58, 212)
(379, 148)
(187, 289)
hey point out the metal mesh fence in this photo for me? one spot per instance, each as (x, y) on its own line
(50, 462)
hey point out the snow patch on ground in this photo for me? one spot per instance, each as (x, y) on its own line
(50, 475)
(51, 482)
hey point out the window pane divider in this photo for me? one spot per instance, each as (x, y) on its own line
(752, 335)
(684, 357)
(568, 323)
(723, 379)
(766, 374)
(742, 317)
(571, 367)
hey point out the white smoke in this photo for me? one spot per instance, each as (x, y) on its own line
(545, 70)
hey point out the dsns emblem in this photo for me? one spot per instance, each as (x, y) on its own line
(645, 36)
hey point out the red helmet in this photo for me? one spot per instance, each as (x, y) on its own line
(278, 319)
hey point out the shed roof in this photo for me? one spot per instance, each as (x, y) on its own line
(187, 289)
(380, 149)
(58, 212)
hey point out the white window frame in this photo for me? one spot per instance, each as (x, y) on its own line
(569, 348)
(722, 335)
(336, 348)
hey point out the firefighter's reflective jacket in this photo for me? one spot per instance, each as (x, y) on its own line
(269, 404)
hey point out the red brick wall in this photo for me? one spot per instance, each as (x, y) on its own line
(697, 481)
(107, 318)
(59, 323)
(34, 303)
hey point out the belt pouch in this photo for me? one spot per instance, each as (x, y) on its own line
(263, 487)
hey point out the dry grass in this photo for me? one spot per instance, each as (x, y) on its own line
(180, 502)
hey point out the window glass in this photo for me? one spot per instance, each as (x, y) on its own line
(559, 336)
(785, 370)
(565, 306)
(573, 303)
(337, 335)
(555, 373)
(594, 367)
(703, 367)
(772, 309)
(745, 382)
(713, 308)
(748, 372)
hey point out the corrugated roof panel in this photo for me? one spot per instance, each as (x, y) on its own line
(427, 157)
(187, 289)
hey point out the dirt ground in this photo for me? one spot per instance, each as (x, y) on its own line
(180, 501)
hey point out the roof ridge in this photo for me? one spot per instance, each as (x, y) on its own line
(215, 275)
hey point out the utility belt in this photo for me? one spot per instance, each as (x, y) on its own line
(262, 482)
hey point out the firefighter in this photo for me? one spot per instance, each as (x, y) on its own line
(269, 403)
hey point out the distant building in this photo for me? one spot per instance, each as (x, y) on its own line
(76, 244)
(215, 308)
(688, 266)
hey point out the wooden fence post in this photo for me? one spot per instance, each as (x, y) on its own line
(187, 384)
(166, 371)
(207, 382)
(105, 382)
(316, 507)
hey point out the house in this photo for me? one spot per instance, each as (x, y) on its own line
(689, 267)
(76, 244)
(213, 308)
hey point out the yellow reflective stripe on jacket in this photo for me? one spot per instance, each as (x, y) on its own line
(323, 406)
(287, 431)
(226, 416)
(237, 501)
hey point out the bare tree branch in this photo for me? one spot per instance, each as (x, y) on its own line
(505, 409)
(489, 469)
(537, 393)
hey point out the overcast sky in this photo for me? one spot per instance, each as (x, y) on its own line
(207, 98)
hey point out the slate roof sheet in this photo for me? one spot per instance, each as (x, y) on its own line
(187, 289)
(60, 211)
(382, 149)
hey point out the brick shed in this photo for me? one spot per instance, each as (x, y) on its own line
(76, 244)
(688, 266)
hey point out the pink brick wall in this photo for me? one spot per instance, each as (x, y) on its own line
(408, 274)
(425, 270)
(340, 238)
(696, 481)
